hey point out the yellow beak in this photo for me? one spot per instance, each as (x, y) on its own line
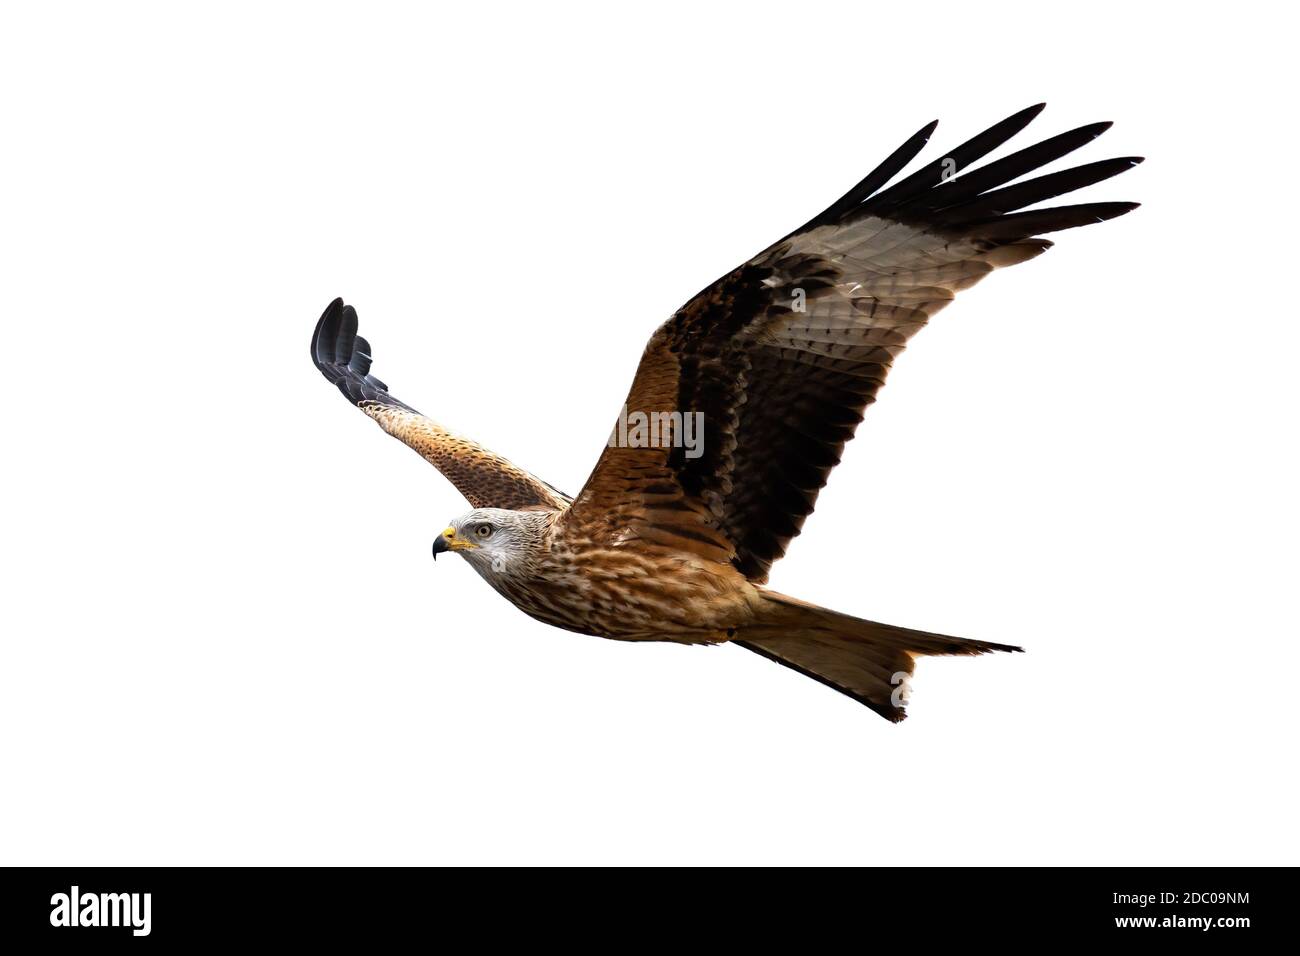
(450, 541)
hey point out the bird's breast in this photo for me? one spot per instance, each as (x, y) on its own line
(625, 595)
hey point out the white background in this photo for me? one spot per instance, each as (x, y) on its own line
(224, 640)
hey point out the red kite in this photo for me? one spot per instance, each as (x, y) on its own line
(741, 406)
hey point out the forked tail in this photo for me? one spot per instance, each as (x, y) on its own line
(869, 662)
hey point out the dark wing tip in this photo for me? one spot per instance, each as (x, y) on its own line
(960, 204)
(978, 202)
(1036, 222)
(933, 197)
(344, 357)
(873, 181)
(916, 187)
(1112, 210)
(1029, 112)
(322, 339)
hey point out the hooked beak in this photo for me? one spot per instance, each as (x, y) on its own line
(449, 541)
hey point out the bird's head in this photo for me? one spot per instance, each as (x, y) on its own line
(493, 540)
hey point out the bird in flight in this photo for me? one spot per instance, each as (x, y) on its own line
(741, 406)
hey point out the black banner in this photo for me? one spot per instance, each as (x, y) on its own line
(138, 907)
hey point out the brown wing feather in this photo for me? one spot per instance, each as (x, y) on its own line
(635, 497)
(783, 355)
(487, 480)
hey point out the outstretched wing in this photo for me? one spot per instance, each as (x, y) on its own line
(487, 480)
(783, 355)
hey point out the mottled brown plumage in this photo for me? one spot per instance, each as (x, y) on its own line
(779, 358)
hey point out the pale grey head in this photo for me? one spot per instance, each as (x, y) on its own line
(496, 541)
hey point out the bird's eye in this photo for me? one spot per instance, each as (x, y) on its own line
(483, 530)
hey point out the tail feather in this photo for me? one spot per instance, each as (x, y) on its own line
(865, 660)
